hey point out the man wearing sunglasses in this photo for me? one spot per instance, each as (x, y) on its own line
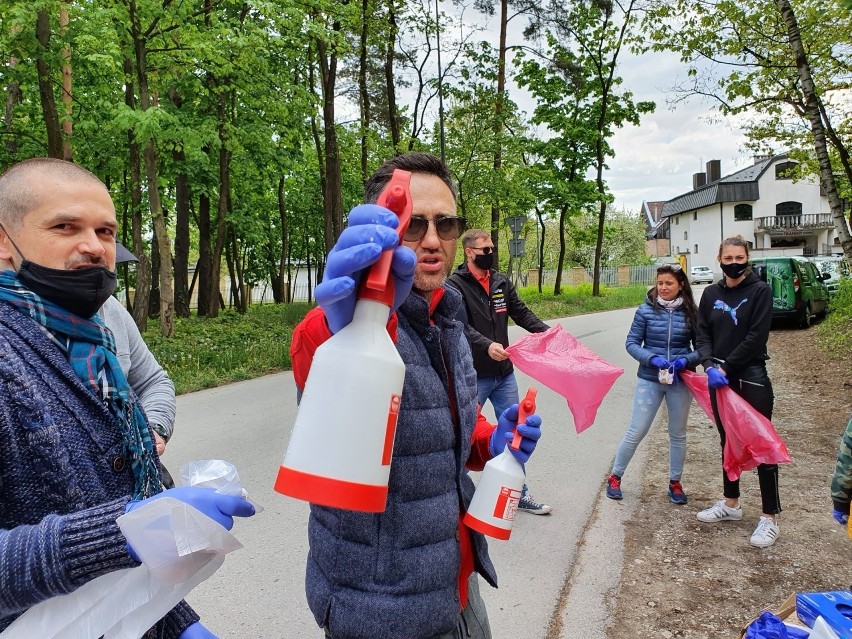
(490, 300)
(410, 571)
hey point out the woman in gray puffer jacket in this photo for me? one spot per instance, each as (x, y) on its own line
(662, 340)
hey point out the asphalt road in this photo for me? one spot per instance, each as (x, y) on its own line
(259, 592)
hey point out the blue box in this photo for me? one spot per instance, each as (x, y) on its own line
(835, 607)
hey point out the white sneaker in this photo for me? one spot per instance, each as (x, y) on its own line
(765, 534)
(720, 512)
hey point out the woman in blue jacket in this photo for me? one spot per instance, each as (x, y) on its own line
(661, 339)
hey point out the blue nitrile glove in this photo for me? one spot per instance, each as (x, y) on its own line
(659, 362)
(371, 230)
(220, 508)
(840, 517)
(502, 436)
(716, 378)
(197, 631)
(679, 364)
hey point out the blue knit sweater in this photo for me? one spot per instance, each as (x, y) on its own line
(657, 331)
(63, 482)
(395, 574)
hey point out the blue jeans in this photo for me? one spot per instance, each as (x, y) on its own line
(502, 391)
(646, 402)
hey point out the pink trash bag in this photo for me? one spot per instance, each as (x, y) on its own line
(750, 438)
(564, 364)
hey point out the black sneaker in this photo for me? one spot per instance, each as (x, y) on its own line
(613, 487)
(676, 493)
(531, 506)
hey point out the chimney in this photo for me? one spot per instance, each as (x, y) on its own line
(714, 171)
(760, 158)
(698, 180)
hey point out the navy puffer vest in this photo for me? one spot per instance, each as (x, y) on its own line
(395, 574)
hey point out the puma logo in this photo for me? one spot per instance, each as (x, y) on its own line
(719, 304)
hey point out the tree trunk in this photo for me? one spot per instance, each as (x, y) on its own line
(223, 205)
(498, 127)
(154, 297)
(45, 87)
(182, 241)
(364, 97)
(67, 149)
(557, 286)
(812, 109)
(183, 198)
(390, 83)
(540, 251)
(332, 196)
(143, 267)
(167, 296)
(13, 97)
(204, 268)
(279, 292)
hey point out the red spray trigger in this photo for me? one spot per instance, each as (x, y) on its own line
(397, 198)
(526, 407)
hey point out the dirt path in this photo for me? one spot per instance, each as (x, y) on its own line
(683, 578)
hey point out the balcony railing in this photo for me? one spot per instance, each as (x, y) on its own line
(810, 221)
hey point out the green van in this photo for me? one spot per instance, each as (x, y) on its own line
(798, 290)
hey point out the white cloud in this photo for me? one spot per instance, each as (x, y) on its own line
(656, 160)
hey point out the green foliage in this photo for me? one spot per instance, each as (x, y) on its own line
(209, 352)
(578, 300)
(835, 333)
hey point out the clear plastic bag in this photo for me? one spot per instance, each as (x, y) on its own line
(564, 364)
(750, 438)
(180, 548)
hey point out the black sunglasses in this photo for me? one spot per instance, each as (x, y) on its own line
(448, 227)
(485, 249)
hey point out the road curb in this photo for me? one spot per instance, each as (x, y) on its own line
(587, 601)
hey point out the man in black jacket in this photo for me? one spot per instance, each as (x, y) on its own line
(490, 300)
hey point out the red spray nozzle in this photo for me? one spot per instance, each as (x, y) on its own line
(396, 197)
(526, 407)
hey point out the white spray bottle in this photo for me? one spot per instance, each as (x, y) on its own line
(340, 450)
(495, 502)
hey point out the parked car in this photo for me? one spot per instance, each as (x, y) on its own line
(798, 290)
(836, 266)
(700, 275)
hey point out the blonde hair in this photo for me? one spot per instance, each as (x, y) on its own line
(472, 235)
(737, 240)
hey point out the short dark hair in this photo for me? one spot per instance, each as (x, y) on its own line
(16, 196)
(415, 162)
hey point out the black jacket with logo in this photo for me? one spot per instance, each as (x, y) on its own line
(733, 323)
(488, 317)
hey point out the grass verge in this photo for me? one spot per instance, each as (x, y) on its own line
(209, 352)
(835, 333)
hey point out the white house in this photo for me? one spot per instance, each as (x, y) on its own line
(774, 213)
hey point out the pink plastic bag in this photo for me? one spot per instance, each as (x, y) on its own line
(750, 438)
(561, 362)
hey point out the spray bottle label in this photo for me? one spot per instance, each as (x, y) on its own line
(507, 503)
(390, 429)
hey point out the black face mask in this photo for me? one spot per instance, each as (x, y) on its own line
(80, 291)
(484, 261)
(734, 270)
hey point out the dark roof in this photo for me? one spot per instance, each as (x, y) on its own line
(737, 187)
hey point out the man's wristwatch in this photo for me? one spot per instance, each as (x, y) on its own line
(161, 431)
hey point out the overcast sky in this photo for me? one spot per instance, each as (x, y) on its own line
(656, 160)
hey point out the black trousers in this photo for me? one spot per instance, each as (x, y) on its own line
(753, 385)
